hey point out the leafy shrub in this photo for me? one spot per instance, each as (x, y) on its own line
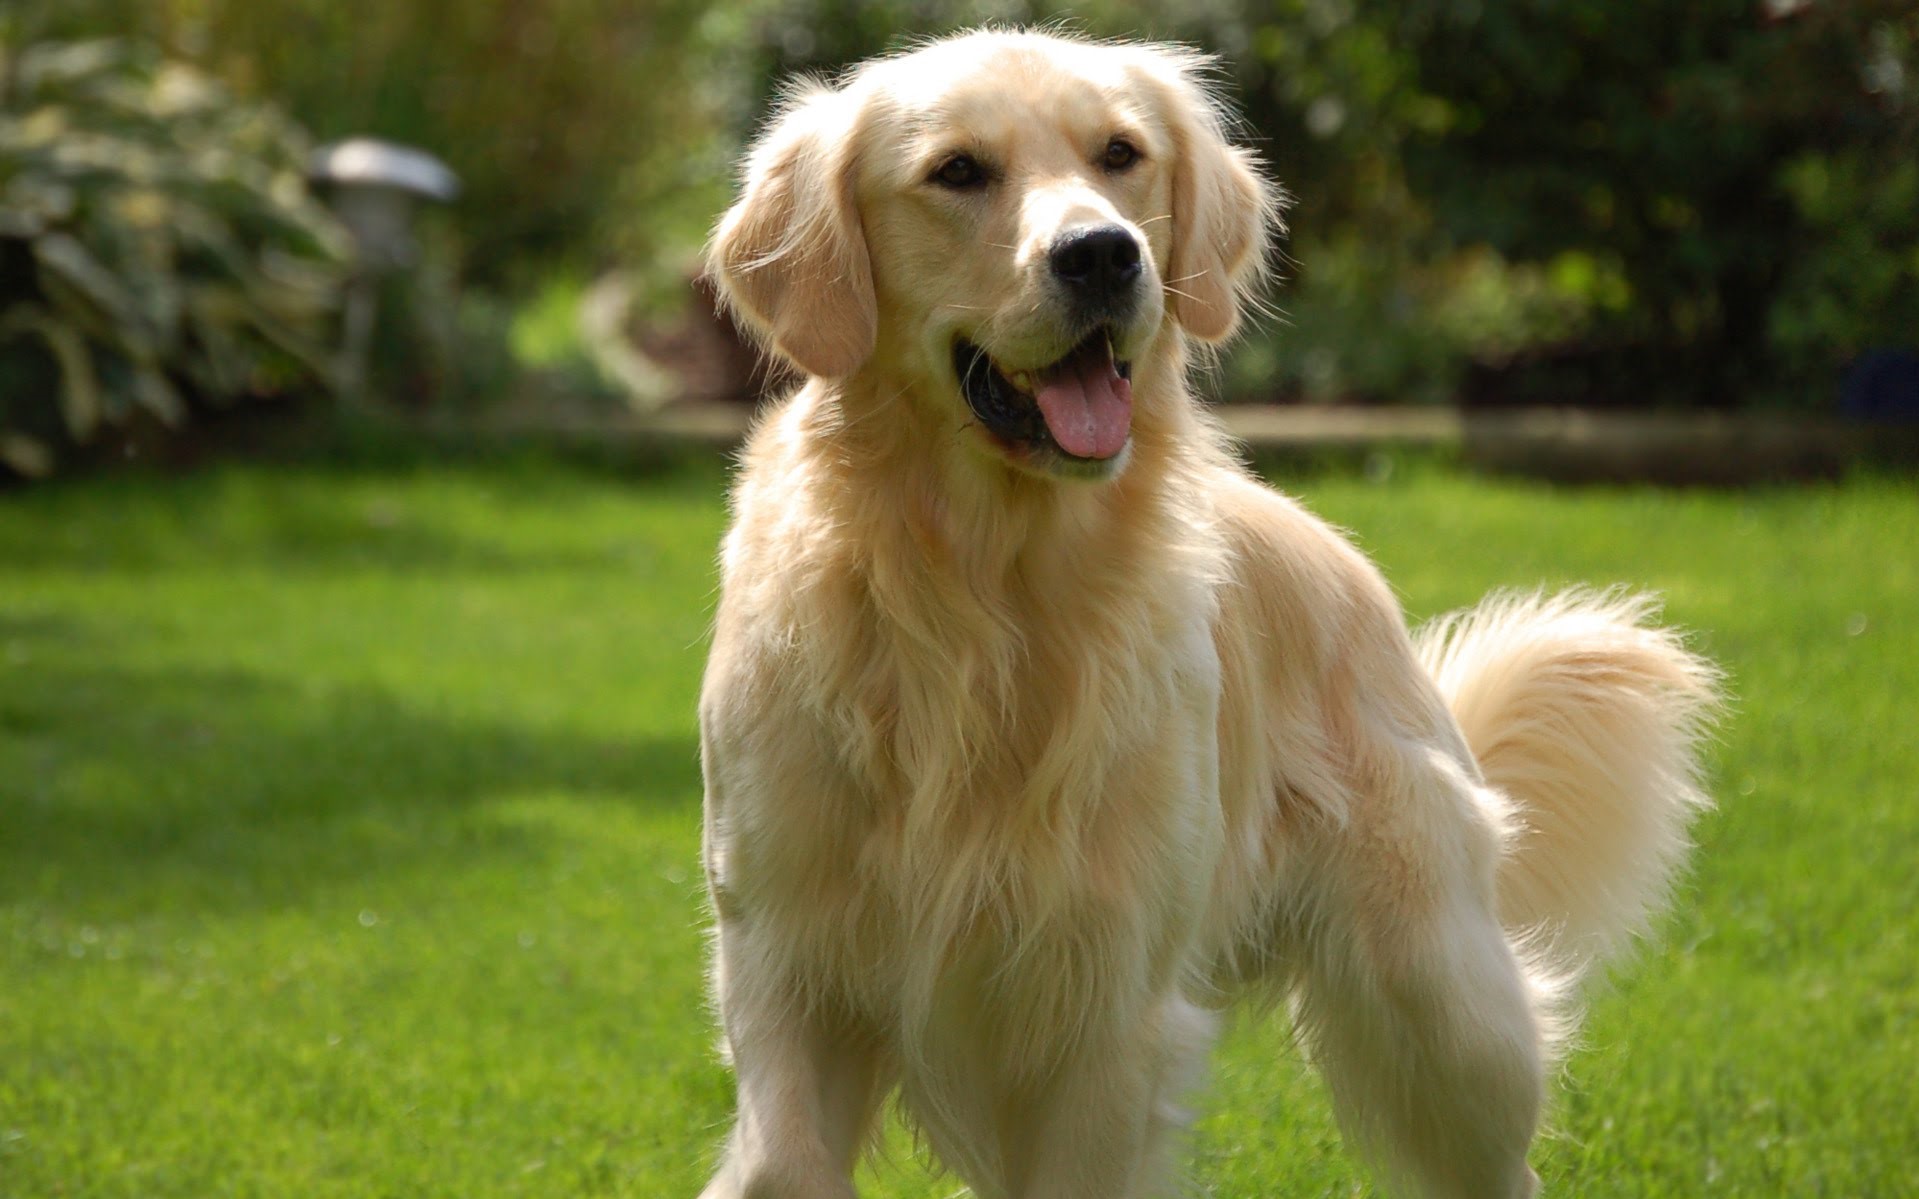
(1854, 286)
(157, 245)
(1748, 167)
(578, 128)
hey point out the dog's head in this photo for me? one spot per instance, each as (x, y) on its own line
(1004, 222)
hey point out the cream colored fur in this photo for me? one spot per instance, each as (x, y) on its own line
(1013, 780)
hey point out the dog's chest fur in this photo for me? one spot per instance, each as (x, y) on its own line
(976, 734)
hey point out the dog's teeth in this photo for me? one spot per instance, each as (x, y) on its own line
(1023, 380)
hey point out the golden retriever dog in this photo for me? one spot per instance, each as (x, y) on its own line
(1036, 730)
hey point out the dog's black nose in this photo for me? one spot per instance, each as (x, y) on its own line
(1097, 264)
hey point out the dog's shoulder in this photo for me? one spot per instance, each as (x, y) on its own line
(1298, 578)
(1282, 547)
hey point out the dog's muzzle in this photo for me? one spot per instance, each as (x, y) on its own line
(1078, 408)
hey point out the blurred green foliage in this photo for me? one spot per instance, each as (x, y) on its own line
(157, 244)
(1736, 164)
(579, 128)
(1859, 288)
(1664, 201)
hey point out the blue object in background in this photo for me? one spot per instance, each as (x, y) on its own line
(1883, 385)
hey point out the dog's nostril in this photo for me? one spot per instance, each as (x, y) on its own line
(1073, 261)
(1096, 260)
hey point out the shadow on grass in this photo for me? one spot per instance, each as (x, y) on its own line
(210, 790)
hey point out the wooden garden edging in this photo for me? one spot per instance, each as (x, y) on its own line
(1557, 443)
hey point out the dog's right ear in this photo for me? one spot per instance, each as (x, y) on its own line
(790, 256)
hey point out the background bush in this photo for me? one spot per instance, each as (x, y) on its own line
(1669, 202)
(1730, 163)
(578, 127)
(157, 247)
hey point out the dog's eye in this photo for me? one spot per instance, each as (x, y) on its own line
(960, 172)
(1120, 154)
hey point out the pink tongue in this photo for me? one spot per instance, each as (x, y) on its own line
(1088, 407)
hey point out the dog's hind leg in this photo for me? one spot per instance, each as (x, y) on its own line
(1411, 1000)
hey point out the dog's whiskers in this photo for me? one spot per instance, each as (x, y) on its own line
(876, 409)
(978, 361)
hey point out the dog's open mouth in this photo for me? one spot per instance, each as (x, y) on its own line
(1080, 407)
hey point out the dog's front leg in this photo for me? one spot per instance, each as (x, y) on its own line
(1103, 1128)
(1090, 1136)
(809, 1084)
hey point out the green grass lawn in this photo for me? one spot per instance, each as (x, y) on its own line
(348, 827)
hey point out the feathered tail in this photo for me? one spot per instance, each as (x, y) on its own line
(1589, 720)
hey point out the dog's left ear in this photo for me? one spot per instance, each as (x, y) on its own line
(790, 256)
(1224, 211)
